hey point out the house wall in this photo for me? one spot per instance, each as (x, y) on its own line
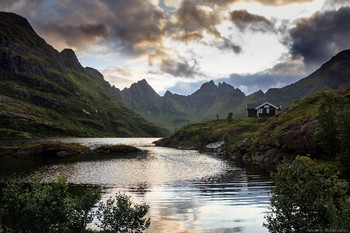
(266, 112)
(252, 113)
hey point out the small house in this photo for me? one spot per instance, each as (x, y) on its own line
(263, 110)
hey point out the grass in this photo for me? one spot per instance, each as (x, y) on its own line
(261, 131)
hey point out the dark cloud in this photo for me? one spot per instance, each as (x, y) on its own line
(193, 21)
(136, 24)
(243, 20)
(79, 36)
(180, 68)
(319, 37)
(251, 83)
(226, 45)
(9, 3)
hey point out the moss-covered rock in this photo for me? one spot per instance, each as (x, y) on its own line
(109, 149)
(44, 149)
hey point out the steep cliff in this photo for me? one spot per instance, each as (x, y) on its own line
(44, 92)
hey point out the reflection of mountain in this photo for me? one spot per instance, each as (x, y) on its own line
(173, 111)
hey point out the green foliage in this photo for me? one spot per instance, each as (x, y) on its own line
(326, 134)
(229, 117)
(343, 130)
(308, 197)
(121, 215)
(51, 208)
(333, 132)
(45, 208)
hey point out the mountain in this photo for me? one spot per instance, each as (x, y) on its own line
(173, 111)
(332, 75)
(44, 92)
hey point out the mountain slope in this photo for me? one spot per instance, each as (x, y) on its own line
(332, 75)
(263, 140)
(173, 111)
(47, 93)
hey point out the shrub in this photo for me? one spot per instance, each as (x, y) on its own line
(51, 208)
(45, 208)
(326, 134)
(229, 117)
(121, 215)
(308, 197)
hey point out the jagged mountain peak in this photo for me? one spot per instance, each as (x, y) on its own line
(15, 20)
(71, 60)
(168, 93)
(208, 85)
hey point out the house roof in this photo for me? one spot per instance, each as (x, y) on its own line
(268, 104)
(251, 106)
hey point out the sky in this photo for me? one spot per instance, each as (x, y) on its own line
(177, 45)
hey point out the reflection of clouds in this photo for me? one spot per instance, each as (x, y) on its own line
(187, 191)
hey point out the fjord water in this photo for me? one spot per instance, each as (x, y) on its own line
(187, 191)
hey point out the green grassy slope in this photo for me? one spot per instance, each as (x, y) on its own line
(290, 132)
(47, 93)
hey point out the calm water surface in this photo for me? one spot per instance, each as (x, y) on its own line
(187, 191)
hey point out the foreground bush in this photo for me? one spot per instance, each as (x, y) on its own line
(308, 197)
(121, 215)
(51, 208)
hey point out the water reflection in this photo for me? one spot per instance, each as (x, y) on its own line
(187, 191)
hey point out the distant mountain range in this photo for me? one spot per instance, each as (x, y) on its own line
(173, 111)
(44, 92)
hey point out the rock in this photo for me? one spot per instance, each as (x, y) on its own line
(109, 149)
(44, 149)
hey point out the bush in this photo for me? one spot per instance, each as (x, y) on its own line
(121, 215)
(229, 117)
(326, 134)
(333, 133)
(45, 208)
(51, 208)
(308, 197)
(343, 136)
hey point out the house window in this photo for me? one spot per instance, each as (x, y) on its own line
(260, 111)
(267, 110)
(267, 106)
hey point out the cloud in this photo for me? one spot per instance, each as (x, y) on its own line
(321, 36)
(181, 68)
(250, 83)
(120, 76)
(194, 19)
(227, 45)
(243, 20)
(137, 25)
(79, 36)
(225, 3)
(9, 3)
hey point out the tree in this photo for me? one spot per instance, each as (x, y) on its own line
(217, 116)
(121, 215)
(45, 207)
(343, 136)
(326, 133)
(308, 197)
(229, 116)
(51, 208)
